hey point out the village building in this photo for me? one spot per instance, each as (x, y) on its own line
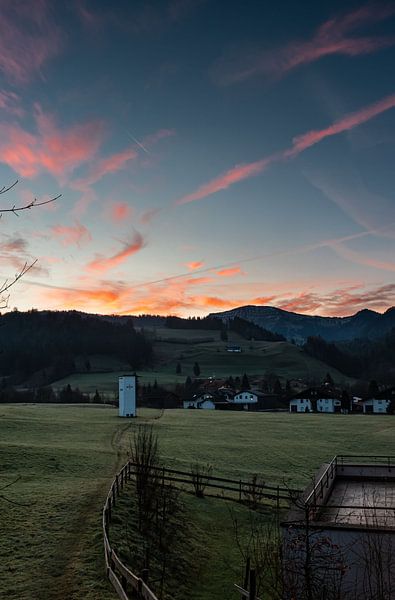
(323, 399)
(379, 405)
(200, 401)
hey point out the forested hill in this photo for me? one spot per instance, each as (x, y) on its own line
(30, 341)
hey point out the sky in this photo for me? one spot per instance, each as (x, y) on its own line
(209, 154)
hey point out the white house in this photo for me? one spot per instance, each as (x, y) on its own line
(203, 401)
(379, 405)
(246, 398)
(315, 400)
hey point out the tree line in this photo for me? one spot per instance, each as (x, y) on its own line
(50, 340)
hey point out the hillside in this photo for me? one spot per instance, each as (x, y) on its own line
(364, 324)
(185, 347)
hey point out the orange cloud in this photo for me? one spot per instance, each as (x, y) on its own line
(50, 149)
(104, 264)
(230, 272)
(333, 37)
(120, 211)
(72, 235)
(198, 264)
(300, 143)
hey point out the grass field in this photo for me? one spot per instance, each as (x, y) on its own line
(65, 457)
(173, 346)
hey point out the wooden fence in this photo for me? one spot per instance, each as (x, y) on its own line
(127, 584)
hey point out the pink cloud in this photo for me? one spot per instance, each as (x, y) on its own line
(10, 103)
(198, 264)
(28, 39)
(153, 138)
(362, 259)
(50, 149)
(101, 263)
(300, 143)
(110, 164)
(69, 236)
(120, 211)
(335, 36)
(306, 140)
(230, 272)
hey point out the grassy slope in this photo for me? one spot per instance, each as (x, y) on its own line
(65, 458)
(258, 358)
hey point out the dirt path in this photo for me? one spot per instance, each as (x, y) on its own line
(83, 576)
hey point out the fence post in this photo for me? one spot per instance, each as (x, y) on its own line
(247, 573)
(278, 500)
(252, 590)
(239, 490)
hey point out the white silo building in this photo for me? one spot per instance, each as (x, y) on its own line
(127, 395)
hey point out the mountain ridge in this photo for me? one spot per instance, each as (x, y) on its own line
(365, 323)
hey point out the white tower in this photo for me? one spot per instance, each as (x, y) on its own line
(127, 396)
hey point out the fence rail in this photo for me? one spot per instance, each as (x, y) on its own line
(123, 579)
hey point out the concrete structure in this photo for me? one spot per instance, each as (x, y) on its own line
(343, 529)
(127, 395)
(375, 406)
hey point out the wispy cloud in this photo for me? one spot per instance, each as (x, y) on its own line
(50, 149)
(29, 38)
(71, 235)
(362, 258)
(104, 166)
(334, 37)
(299, 144)
(230, 272)
(195, 264)
(102, 264)
(147, 216)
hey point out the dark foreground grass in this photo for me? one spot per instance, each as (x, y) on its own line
(50, 539)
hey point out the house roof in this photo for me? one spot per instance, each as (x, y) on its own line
(317, 393)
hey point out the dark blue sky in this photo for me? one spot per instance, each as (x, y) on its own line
(208, 153)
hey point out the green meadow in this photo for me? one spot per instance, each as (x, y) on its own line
(171, 347)
(62, 460)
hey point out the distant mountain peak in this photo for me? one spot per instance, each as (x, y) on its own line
(366, 323)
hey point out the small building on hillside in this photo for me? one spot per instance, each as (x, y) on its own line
(380, 403)
(244, 397)
(324, 400)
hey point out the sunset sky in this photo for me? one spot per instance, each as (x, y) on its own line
(209, 154)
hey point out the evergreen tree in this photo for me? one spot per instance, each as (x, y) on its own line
(373, 389)
(96, 397)
(328, 379)
(178, 369)
(188, 382)
(277, 389)
(245, 384)
(196, 369)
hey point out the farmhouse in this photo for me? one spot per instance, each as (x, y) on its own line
(201, 401)
(380, 404)
(324, 399)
